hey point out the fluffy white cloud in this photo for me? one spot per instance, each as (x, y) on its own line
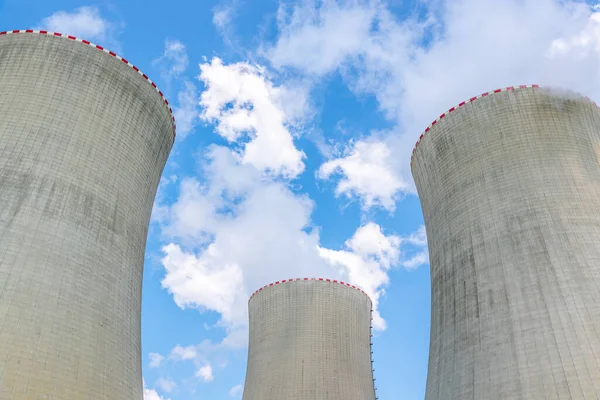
(167, 385)
(236, 391)
(263, 234)
(242, 102)
(418, 69)
(84, 22)
(301, 43)
(210, 286)
(155, 360)
(183, 353)
(205, 373)
(368, 256)
(364, 168)
(241, 225)
(151, 394)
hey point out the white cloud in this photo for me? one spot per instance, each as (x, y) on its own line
(260, 231)
(369, 255)
(193, 282)
(205, 373)
(222, 16)
(167, 385)
(418, 69)
(236, 391)
(242, 102)
(261, 223)
(172, 65)
(155, 360)
(187, 111)
(240, 226)
(183, 353)
(174, 60)
(83, 22)
(151, 394)
(365, 172)
(301, 43)
(159, 209)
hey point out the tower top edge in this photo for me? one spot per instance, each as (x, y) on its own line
(103, 50)
(323, 280)
(471, 100)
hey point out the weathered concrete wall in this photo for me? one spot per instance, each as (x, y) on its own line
(309, 340)
(510, 191)
(83, 141)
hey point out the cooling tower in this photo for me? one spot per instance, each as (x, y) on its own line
(509, 184)
(310, 339)
(84, 136)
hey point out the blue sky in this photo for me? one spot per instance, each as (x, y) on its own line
(296, 121)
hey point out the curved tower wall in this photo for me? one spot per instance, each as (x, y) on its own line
(509, 184)
(309, 339)
(84, 137)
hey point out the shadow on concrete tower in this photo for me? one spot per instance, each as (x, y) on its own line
(310, 339)
(509, 184)
(84, 137)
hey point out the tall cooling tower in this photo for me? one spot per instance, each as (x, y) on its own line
(310, 339)
(84, 136)
(509, 183)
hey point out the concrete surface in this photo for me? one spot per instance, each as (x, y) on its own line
(83, 141)
(309, 340)
(510, 192)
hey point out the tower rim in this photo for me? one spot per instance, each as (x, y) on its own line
(472, 99)
(325, 280)
(103, 50)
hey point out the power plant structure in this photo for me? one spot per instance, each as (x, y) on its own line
(310, 339)
(509, 184)
(84, 137)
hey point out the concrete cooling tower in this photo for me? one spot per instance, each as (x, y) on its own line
(310, 339)
(509, 183)
(84, 136)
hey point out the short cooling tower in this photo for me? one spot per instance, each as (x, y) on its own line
(310, 339)
(509, 184)
(84, 137)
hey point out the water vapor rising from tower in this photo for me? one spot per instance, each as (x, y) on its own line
(309, 339)
(509, 184)
(84, 137)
